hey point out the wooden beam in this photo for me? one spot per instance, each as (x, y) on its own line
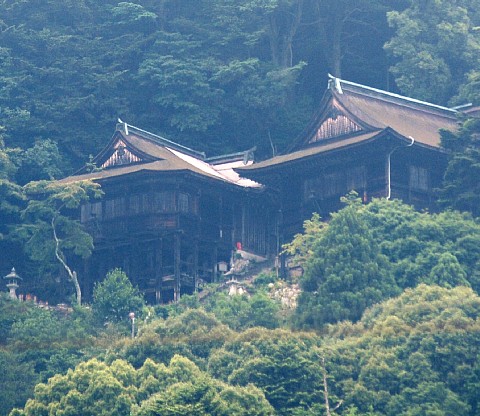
(214, 261)
(158, 270)
(195, 264)
(176, 265)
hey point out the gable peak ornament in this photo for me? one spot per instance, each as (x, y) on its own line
(121, 156)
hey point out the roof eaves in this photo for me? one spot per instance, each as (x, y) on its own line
(417, 143)
(310, 153)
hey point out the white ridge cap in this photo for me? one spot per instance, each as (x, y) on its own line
(224, 171)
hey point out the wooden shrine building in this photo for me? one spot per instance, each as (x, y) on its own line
(374, 142)
(170, 215)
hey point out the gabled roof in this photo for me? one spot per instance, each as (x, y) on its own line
(348, 108)
(133, 150)
(351, 113)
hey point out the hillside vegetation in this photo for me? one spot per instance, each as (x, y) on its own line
(387, 320)
(392, 329)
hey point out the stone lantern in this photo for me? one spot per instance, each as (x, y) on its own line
(12, 279)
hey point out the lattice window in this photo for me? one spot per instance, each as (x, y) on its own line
(335, 125)
(335, 183)
(121, 156)
(183, 202)
(136, 205)
(115, 208)
(356, 178)
(91, 211)
(164, 201)
(419, 178)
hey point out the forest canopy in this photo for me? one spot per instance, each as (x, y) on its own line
(414, 354)
(220, 76)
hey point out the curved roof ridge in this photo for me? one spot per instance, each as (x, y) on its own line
(127, 128)
(338, 82)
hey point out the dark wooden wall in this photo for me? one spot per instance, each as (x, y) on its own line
(169, 233)
(317, 186)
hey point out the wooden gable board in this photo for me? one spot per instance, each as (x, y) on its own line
(120, 152)
(333, 121)
(336, 123)
(121, 156)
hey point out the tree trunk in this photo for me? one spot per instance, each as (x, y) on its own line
(283, 26)
(325, 391)
(331, 23)
(336, 44)
(60, 257)
(325, 388)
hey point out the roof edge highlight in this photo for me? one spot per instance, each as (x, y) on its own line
(126, 129)
(337, 85)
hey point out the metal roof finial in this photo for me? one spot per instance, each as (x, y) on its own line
(123, 124)
(336, 82)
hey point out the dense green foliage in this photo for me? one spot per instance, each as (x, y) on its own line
(437, 45)
(284, 365)
(49, 234)
(461, 188)
(241, 312)
(412, 355)
(417, 354)
(193, 334)
(95, 388)
(36, 344)
(421, 247)
(367, 253)
(115, 297)
(347, 272)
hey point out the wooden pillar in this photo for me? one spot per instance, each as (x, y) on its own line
(234, 226)
(176, 265)
(135, 264)
(214, 261)
(111, 258)
(387, 178)
(280, 241)
(126, 261)
(158, 271)
(195, 265)
(220, 219)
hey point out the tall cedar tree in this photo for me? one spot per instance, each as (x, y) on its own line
(346, 274)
